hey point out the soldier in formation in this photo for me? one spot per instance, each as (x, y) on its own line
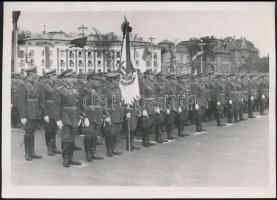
(93, 104)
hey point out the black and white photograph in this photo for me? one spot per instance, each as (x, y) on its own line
(138, 100)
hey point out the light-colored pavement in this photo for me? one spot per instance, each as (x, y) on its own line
(236, 155)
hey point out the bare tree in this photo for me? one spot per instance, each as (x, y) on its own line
(103, 43)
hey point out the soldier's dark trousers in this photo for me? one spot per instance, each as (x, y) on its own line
(111, 131)
(14, 116)
(262, 107)
(29, 139)
(67, 141)
(198, 120)
(158, 125)
(180, 121)
(230, 113)
(50, 136)
(133, 122)
(218, 115)
(170, 124)
(236, 112)
(250, 109)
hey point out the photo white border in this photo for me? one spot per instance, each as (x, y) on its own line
(12, 191)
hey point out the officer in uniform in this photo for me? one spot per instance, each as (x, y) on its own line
(113, 116)
(147, 107)
(14, 109)
(251, 88)
(219, 99)
(67, 116)
(229, 93)
(94, 113)
(262, 92)
(242, 98)
(48, 104)
(29, 111)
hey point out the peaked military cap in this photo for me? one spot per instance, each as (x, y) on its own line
(93, 75)
(112, 75)
(49, 72)
(31, 69)
(66, 73)
(148, 71)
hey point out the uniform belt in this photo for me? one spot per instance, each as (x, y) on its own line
(150, 99)
(50, 100)
(70, 107)
(32, 99)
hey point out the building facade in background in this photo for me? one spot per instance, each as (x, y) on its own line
(53, 50)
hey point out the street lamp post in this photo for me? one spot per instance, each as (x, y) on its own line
(201, 44)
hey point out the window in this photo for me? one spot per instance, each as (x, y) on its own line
(21, 54)
(57, 42)
(98, 54)
(29, 43)
(137, 63)
(71, 54)
(155, 71)
(89, 70)
(147, 63)
(22, 63)
(155, 63)
(80, 71)
(51, 53)
(80, 54)
(118, 54)
(117, 63)
(62, 63)
(136, 54)
(71, 63)
(155, 55)
(80, 63)
(62, 53)
(42, 62)
(62, 70)
(42, 52)
(89, 54)
(99, 63)
(109, 70)
(31, 53)
(32, 62)
(89, 63)
(99, 70)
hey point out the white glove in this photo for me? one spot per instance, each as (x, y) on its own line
(108, 120)
(86, 122)
(46, 119)
(263, 96)
(179, 110)
(218, 103)
(158, 110)
(23, 121)
(196, 107)
(128, 115)
(144, 113)
(252, 98)
(230, 101)
(60, 124)
(167, 111)
(241, 99)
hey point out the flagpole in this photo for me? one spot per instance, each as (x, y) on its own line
(129, 135)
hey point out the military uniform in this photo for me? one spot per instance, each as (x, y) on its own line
(113, 115)
(68, 110)
(219, 99)
(94, 113)
(29, 109)
(48, 104)
(251, 98)
(262, 93)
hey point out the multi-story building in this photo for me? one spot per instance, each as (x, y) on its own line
(54, 50)
(226, 55)
(175, 59)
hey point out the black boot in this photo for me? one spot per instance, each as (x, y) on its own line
(93, 143)
(72, 161)
(27, 145)
(108, 146)
(87, 149)
(65, 154)
(50, 148)
(34, 155)
(113, 142)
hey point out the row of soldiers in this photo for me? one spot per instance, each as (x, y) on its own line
(92, 105)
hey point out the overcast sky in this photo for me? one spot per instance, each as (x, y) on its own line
(177, 25)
